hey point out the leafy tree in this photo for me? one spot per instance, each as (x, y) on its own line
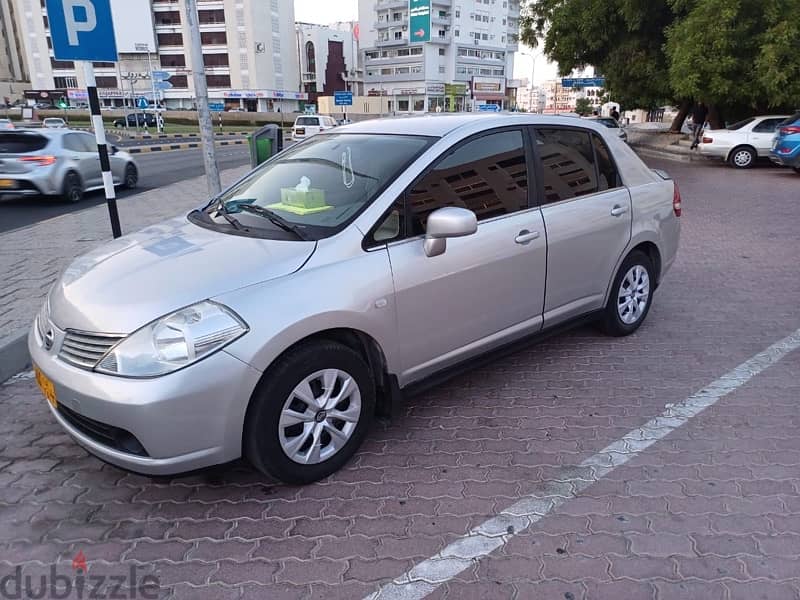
(583, 106)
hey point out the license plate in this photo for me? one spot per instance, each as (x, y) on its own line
(7, 183)
(47, 387)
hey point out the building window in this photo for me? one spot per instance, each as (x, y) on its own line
(179, 81)
(397, 16)
(441, 52)
(167, 18)
(170, 39)
(442, 33)
(485, 36)
(441, 69)
(311, 58)
(211, 17)
(173, 60)
(215, 60)
(213, 38)
(46, 24)
(458, 14)
(218, 81)
(398, 35)
(65, 82)
(456, 33)
(106, 82)
(61, 64)
(104, 65)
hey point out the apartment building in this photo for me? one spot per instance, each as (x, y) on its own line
(13, 70)
(329, 59)
(249, 53)
(467, 62)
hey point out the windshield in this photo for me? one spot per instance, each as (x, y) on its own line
(741, 124)
(320, 185)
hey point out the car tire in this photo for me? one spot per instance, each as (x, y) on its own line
(282, 429)
(72, 188)
(796, 170)
(742, 157)
(131, 177)
(622, 314)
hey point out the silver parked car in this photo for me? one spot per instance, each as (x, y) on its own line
(58, 162)
(276, 320)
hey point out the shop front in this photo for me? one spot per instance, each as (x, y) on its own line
(455, 97)
(489, 90)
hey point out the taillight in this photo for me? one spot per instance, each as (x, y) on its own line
(41, 161)
(790, 129)
(708, 140)
(676, 200)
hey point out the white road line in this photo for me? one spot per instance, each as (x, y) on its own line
(460, 555)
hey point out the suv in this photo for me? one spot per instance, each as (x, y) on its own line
(786, 143)
(306, 126)
(57, 162)
(348, 267)
(142, 118)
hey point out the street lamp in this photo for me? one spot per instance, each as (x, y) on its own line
(533, 57)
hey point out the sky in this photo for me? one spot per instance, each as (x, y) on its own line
(329, 11)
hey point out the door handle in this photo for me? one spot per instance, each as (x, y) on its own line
(525, 236)
(619, 210)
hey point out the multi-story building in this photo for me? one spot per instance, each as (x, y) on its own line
(531, 99)
(13, 71)
(467, 61)
(328, 59)
(249, 54)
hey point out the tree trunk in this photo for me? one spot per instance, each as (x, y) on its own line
(714, 117)
(683, 112)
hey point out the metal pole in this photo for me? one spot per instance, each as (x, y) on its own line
(102, 148)
(153, 88)
(133, 104)
(201, 92)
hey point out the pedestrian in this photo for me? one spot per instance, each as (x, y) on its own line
(614, 113)
(699, 114)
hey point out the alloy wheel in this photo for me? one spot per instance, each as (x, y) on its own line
(742, 158)
(633, 295)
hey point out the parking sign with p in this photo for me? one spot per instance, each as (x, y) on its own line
(82, 30)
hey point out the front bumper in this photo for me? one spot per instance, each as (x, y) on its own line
(189, 419)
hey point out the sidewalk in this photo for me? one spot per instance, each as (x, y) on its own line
(32, 257)
(674, 146)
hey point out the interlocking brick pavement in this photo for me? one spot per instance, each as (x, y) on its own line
(711, 511)
(32, 257)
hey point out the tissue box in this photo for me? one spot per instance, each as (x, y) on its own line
(313, 198)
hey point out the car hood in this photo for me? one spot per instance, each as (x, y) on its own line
(135, 279)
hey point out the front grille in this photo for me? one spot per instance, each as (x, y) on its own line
(108, 435)
(84, 350)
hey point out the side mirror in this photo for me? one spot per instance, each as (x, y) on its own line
(447, 222)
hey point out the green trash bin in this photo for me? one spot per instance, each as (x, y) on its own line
(265, 143)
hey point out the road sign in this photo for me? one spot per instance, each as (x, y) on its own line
(216, 106)
(160, 75)
(162, 85)
(578, 82)
(343, 98)
(82, 30)
(488, 108)
(419, 21)
(142, 103)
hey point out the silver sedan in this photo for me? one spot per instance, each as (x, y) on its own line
(275, 321)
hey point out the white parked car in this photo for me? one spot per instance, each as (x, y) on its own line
(54, 123)
(743, 142)
(306, 126)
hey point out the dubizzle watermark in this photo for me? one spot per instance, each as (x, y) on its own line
(79, 585)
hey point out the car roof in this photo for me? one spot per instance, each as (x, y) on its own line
(439, 125)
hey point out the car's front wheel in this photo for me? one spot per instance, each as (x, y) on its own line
(131, 178)
(73, 188)
(631, 295)
(310, 413)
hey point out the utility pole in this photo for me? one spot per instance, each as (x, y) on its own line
(201, 93)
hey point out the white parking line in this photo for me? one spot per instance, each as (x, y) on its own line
(425, 577)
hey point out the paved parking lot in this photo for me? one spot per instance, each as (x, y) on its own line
(710, 510)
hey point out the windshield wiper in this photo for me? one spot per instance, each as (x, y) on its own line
(222, 210)
(274, 218)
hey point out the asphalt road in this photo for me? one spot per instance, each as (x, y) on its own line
(155, 170)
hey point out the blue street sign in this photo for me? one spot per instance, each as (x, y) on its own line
(162, 85)
(488, 108)
(141, 103)
(578, 82)
(343, 98)
(160, 75)
(216, 106)
(82, 30)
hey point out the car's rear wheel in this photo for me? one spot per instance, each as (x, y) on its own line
(631, 295)
(310, 413)
(73, 188)
(131, 178)
(742, 157)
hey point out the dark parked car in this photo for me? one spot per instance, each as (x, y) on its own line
(142, 118)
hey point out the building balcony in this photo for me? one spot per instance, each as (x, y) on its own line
(391, 42)
(447, 3)
(437, 20)
(388, 4)
(440, 39)
(373, 79)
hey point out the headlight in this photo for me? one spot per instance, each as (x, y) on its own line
(174, 341)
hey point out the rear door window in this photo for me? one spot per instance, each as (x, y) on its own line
(567, 158)
(767, 126)
(20, 143)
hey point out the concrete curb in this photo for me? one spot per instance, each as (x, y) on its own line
(182, 146)
(14, 356)
(656, 152)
